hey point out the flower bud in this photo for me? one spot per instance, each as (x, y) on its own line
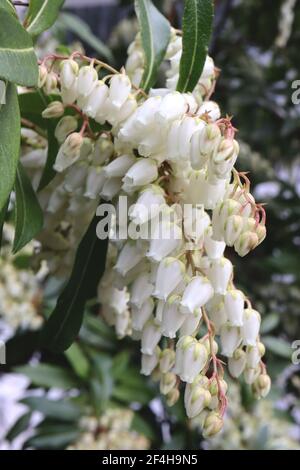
(103, 150)
(232, 229)
(129, 256)
(167, 360)
(261, 232)
(50, 86)
(253, 356)
(96, 100)
(68, 73)
(246, 242)
(143, 172)
(261, 386)
(167, 383)
(55, 109)
(119, 90)
(141, 289)
(94, 182)
(65, 126)
(196, 294)
(191, 323)
(69, 152)
(250, 375)
(212, 425)
(173, 396)
(140, 315)
(119, 166)
(196, 398)
(43, 72)
(234, 306)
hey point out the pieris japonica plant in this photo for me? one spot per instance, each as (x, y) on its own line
(171, 154)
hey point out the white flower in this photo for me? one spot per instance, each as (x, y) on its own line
(119, 89)
(55, 109)
(129, 257)
(196, 221)
(251, 374)
(172, 107)
(87, 79)
(169, 274)
(251, 324)
(75, 177)
(150, 361)
(186, 129)
(214, 249)
(216, 311)
(234, 306)
(150, 337)
(211, 108)
(119, 166)
(166, 239)
(253, 356)
(191, 357)
(167, 383)
(94, 182)
(140, 315)
(172, 317)
(143, 172)
(191, 323)
(237, 363)
(219, 274)
(230, 339)
(68, 73)
(122, 324)
(196, 294)
(141, 289)
(96, 99)
(111, 188)
(103, 150)
(148, 204)
(233, 228)
(69, 95)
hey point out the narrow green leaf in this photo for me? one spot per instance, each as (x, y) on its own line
(78, 361)
(41, 15)
(61, 410)
(18, 62)
(56, 441)
(269, 323)
(155, 34)
(65, 321)
(28, 213)
(9, 141)
(197, 28)
(278, 346)
(73, 23)
(20, 425)
(46, 375)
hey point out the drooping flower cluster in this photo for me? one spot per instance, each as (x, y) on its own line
(167, 283)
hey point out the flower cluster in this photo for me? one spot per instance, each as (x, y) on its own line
(20, 293)
(112, 431)
(172, 156)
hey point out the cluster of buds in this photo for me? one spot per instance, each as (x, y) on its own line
(111, 431)
(168, 283)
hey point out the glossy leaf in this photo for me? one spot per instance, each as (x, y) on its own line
(155, 35)
(197, 28)
(47, 375)
(60, 410)
(41, 15)
(65, 321)
(18, 62)
(9, 141)
(28, 213)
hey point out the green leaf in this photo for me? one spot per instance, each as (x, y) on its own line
(78, 361)
(73, 23)
(20, 426)
(28, 213)
(60, 410)
(65, 321)
(46, 375)
(269, 323)
(53, 147)
(18, 62)
(32, 104)
(197, 28)
(60, 438)
(278, 346)
(155, 34)
(20, 348)
(9, 141)
(41, 15)
(8, 6)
